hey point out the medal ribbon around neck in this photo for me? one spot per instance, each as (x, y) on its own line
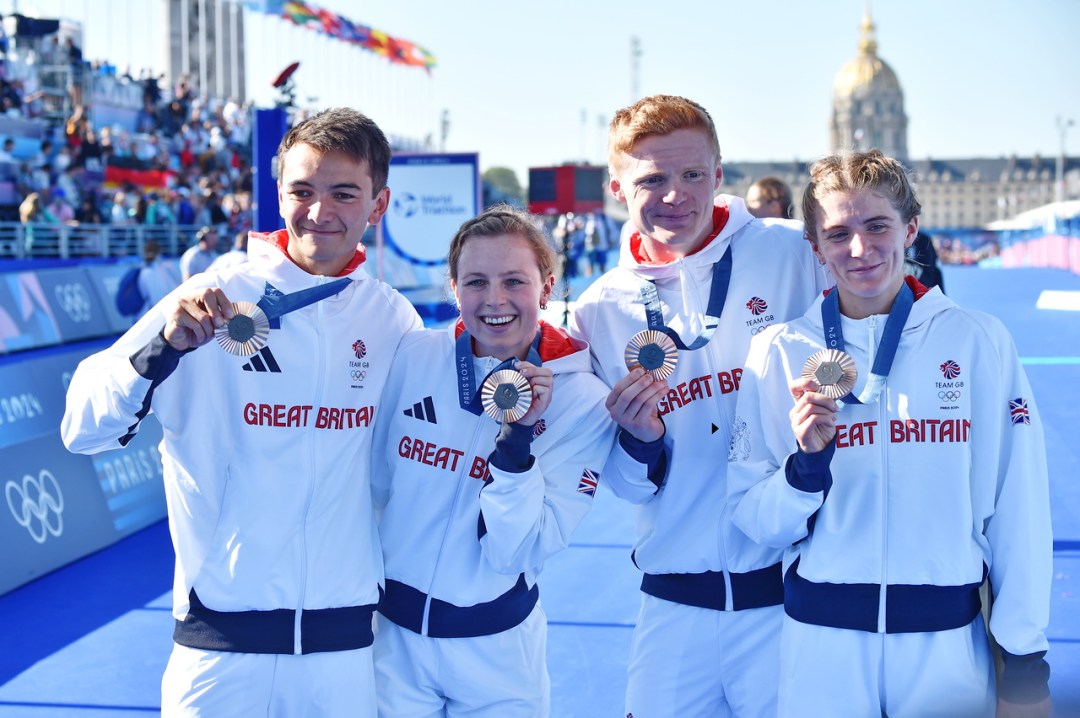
(890, 339)
(468, 396)
(276, 305)
(654, 313)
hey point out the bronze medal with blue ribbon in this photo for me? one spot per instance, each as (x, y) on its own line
(249, 329)
(886, 353)
(505, 394)
(656, 349)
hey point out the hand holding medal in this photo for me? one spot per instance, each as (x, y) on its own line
(827, 377)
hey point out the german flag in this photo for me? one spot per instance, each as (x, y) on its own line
(132, 170)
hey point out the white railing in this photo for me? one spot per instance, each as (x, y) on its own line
(26, 241)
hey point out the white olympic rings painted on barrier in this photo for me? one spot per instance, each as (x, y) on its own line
(74, 300)
(35, 503)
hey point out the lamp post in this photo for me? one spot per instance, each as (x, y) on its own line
(1063, 126)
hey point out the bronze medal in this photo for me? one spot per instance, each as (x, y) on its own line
(833, 370)
(654, 352)
(506, 395)
(246, 333)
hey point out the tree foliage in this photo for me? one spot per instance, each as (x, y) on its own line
(501, 184)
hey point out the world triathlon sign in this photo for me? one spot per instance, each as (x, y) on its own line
(430, 196)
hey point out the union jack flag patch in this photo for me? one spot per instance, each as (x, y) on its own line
(589, 481)
(1018, 409)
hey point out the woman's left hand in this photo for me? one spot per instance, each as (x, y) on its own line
(541, 380)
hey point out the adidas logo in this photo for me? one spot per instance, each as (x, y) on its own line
(264, 361)
(423, 410)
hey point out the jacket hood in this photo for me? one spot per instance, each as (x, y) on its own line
(271, 250)
(729, 216)
(928, 304)
(558, 350)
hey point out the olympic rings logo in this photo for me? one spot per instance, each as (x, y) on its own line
(948, 395)
(358, 375)
(759, 330)
(37, 505)
(74, 300)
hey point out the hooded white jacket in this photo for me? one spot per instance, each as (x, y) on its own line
(266, 457)
(456, 528)
(943, 475)
(682, 526)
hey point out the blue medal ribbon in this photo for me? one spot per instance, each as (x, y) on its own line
(468, 397)
(275, 304)
(890, 339)
(654, 312)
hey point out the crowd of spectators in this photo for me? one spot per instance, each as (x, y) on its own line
(183, 159)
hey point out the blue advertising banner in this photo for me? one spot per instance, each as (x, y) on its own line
(26, 316)
(32, 392)
(76, 304)
(431, 195)
(59, 506)
(45, 307)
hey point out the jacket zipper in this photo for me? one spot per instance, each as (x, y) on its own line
(319, 382)
(871, 325)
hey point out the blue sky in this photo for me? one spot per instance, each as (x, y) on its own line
(528, 84)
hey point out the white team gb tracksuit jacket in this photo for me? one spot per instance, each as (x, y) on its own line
(457, 531)
(942, 476)
(266, 457)
(682, 527)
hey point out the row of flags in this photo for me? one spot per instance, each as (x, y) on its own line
(306, 14)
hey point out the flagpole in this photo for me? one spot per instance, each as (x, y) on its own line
(204, 79)
(219, 49)
(234, 70)
(185, 38)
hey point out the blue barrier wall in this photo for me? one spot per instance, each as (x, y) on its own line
(58, 506)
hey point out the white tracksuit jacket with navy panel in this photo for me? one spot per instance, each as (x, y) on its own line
(454, 527)
(943, 475)
(682, 527)
(266, 457)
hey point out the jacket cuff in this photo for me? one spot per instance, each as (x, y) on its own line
(650, 453)
(512, 448)
(1025, 679)
(157, 360)
(810, 472)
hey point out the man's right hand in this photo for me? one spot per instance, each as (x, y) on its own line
(195, 317)
(632, 405)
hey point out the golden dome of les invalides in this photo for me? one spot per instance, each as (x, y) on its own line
(868, 102)
(866, 73)
(868, 111)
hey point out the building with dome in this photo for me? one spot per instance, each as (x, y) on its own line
(963, 193)
(868, 103)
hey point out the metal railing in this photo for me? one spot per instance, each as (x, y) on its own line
(27, 241)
